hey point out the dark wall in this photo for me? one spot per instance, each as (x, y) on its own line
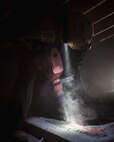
(98, 68)
(98, 78)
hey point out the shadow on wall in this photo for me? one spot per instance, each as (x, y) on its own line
(98, 78)
(98, 69)
(45, 101)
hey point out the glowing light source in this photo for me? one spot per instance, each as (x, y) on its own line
(74, 126)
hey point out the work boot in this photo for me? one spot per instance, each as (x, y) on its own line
(19, 136)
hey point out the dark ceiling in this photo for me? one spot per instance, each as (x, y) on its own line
(100, 13)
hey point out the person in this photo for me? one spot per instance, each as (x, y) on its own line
(19, 53)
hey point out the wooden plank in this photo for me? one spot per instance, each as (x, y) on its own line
(39, 133)
(102, 35)
(109, 21)
(98, 4)
(101, 11)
